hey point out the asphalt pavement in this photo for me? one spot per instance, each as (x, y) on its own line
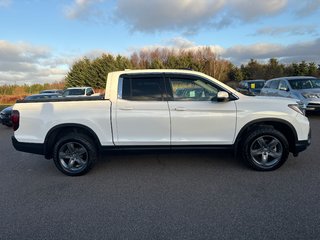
(160, 195)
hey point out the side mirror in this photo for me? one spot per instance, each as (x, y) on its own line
(222, 96)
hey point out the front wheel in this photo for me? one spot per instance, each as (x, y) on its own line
(74, 154)
(265, 149)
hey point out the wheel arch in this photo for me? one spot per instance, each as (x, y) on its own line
(283, 126)
(64, 129)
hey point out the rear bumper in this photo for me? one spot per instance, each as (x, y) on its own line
(36, 148)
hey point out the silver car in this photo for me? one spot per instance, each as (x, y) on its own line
(305, 89)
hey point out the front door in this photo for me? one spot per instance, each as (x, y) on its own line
(197, 118)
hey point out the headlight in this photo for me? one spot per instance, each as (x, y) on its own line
(311, 95)
(296, 108)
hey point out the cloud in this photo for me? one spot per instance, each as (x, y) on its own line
(82, 9)
(5, 3)
(161, 15)
(25, 63)
(188, 16)
(151, 16)
(21, 52)
(288, 30)
(185, 16)
(180, 42)
(303, 51)
(308, 7)
(247, 10)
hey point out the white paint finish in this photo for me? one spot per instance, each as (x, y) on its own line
(255, 108)
(141, 123)
(202, 122)
(36, 119)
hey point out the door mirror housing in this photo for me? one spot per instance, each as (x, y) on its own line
(222, 96)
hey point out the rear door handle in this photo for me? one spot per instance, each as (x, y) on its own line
(126, 108)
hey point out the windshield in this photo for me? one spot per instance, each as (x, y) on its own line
(74, 92)
(256, 84)
(304, 83)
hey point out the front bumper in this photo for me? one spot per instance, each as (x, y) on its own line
(302, 145)
(312, 105)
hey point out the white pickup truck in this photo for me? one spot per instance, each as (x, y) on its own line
(160, 109)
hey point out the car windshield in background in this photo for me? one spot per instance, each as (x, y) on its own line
(52, 91)
(256, 84)
(42, 96)
(74, 92)
(304, 83)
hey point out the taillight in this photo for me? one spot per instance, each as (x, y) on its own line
(15, 118)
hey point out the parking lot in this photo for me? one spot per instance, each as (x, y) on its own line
(161, 195)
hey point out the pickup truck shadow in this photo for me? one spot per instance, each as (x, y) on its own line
(165, 160)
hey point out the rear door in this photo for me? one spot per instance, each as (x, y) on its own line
(142, 113)
(197, 118)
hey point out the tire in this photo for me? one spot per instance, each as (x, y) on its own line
(265, 149)
(74, 154)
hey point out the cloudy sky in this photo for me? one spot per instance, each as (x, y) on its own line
(40, 39)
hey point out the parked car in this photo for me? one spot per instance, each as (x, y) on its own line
(42, 96)
(59, 91)
(5, 116)
(78, 92)
(251, 87)
(304, 88)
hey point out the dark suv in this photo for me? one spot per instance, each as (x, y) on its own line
(251, 87)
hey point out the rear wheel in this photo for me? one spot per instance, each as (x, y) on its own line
(265, 149)
(74, 154)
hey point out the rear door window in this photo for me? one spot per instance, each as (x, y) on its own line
(142, 88)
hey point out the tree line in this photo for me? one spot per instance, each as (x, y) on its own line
(10, 93)
(29, 89)
(88, 72)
